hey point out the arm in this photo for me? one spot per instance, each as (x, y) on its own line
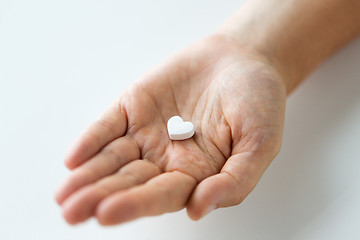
(296, 35)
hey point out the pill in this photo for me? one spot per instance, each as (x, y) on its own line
(178, 129)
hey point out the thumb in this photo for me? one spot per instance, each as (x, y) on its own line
(231, 186)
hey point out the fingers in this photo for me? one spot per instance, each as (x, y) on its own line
(108, 161)
(110, 126)
(81, 205)
(167, 192)
(230, 187)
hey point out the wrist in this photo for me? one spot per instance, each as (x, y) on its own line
(296, 35)
(258, 27)
(266, 53)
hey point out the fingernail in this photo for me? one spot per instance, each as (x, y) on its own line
(208, 210)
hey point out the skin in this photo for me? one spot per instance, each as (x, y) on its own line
(233, 86)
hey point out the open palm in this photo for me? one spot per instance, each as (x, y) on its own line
(125, 166)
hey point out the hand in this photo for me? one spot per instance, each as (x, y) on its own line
(125, 166)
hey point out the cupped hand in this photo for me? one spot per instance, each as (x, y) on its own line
(124, 166)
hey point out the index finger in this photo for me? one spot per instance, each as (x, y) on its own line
(167, 192)
(111, 125)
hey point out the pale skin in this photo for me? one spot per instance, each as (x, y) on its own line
(233, 86)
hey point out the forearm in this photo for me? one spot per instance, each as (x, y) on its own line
(297, 35)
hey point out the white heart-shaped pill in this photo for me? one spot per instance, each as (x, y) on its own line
(178, 129)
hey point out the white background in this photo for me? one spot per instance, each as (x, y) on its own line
(63, 62)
